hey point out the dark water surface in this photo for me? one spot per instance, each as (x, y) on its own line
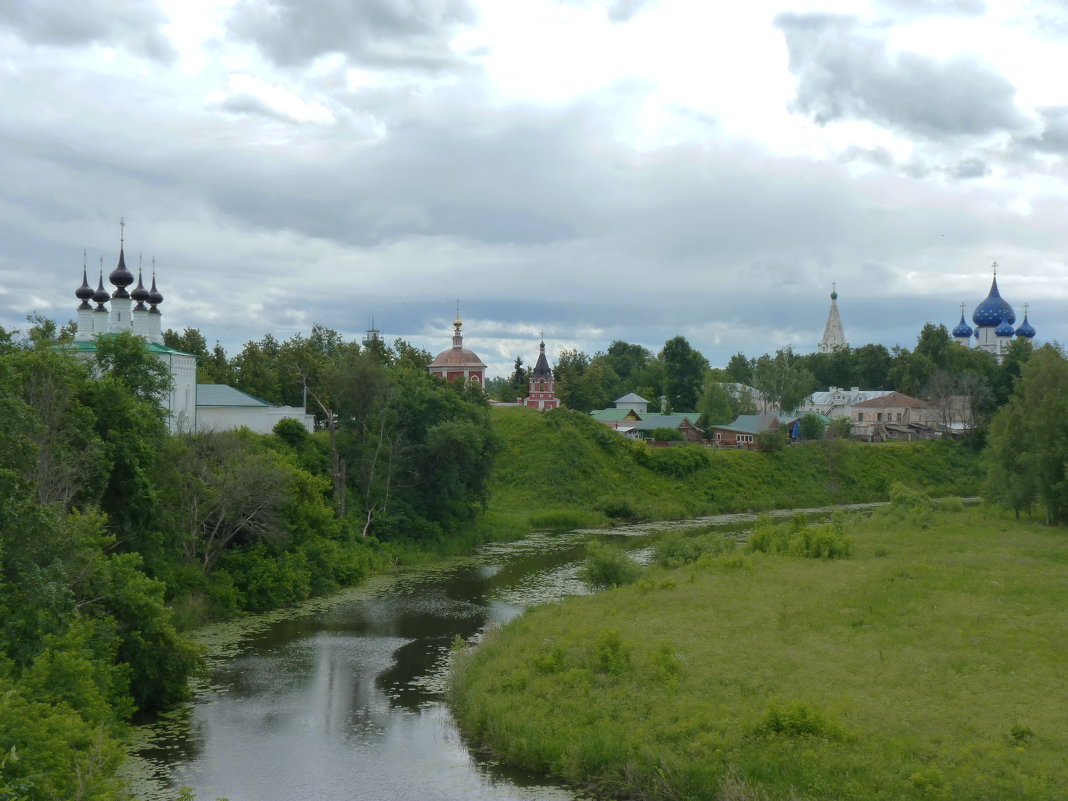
(343, 699)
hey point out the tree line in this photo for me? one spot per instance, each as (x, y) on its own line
(115, 534)
(679, 378)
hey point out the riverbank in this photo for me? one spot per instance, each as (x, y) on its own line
(563, 469)
(929, 664)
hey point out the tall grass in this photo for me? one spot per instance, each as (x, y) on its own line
(928, 665)
(561, 462)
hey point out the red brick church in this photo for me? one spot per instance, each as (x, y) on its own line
(457, 361)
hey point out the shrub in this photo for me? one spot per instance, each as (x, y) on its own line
(908, 506)
(665, 434)
(811, 426)
(291, 432)
(819, 541)
(676, 549)
(607, 566)
(618, 508)
(798, 720)
(612, 655)
(951, 504)
(771, 440)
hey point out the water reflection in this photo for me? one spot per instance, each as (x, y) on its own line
(346, 702)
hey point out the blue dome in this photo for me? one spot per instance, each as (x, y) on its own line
(993, 310)
(1005, 329)
(1026, 329)
(962, 329)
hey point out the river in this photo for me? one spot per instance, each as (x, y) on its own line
(342, 699)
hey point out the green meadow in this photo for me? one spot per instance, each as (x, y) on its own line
(563, 469)
(928, 661)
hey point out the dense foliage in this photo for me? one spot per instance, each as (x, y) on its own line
(764, 675)
(108, 523)
(937, 370)
(1028, 443)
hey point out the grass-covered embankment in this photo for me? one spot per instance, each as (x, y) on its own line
(928, 664)
(563, 469)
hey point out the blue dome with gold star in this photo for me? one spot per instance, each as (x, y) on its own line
(962, 329)
(994, 310)
(1026, 329)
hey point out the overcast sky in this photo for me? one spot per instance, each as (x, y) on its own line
(629, 169)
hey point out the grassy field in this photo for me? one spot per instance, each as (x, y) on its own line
(931, 664)
(565, 470)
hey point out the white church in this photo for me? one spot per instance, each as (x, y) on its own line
(190, 408)
(994, 319)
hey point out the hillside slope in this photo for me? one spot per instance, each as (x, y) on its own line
(564, 469)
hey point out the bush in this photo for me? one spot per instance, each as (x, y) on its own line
(676, 549)
(908, 506)
(798, 720)
(665, 434)
(618, 508)
(607, 566)
(772, 440)
(811, 426)
(821, 541)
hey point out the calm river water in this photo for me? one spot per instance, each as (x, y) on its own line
(343, 700)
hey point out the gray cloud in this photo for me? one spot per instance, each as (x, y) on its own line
(970, 168)
(413, 34)
(247, 103)
(845, 72)
(136, 27)
(1054, 135)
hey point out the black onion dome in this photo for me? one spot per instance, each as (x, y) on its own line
(101, 296)
(541, 368)
(121, 277)
(154, 295)
(140, 294)
(84, 293)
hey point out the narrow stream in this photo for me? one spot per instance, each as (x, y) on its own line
(343, 699)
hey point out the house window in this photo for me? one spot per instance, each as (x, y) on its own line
(860, 417)
(878, 417)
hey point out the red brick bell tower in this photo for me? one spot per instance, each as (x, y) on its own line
(542, 392)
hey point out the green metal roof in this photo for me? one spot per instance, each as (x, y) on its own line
(89, 346)
(652, 420)
(224, 395)
(613, 415)
(750, 423)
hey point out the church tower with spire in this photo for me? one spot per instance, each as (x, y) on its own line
(541, 394)
(833, 336)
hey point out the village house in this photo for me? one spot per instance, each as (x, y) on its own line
(894, 416)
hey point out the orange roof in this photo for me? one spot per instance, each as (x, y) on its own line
(456, 357)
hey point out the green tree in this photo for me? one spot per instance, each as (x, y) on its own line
(717, 406)
(782, 379)
(811, 426)
(684, 374)
(740, 369)
(1028, 444)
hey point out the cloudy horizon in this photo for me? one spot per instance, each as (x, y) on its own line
(593, 169)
